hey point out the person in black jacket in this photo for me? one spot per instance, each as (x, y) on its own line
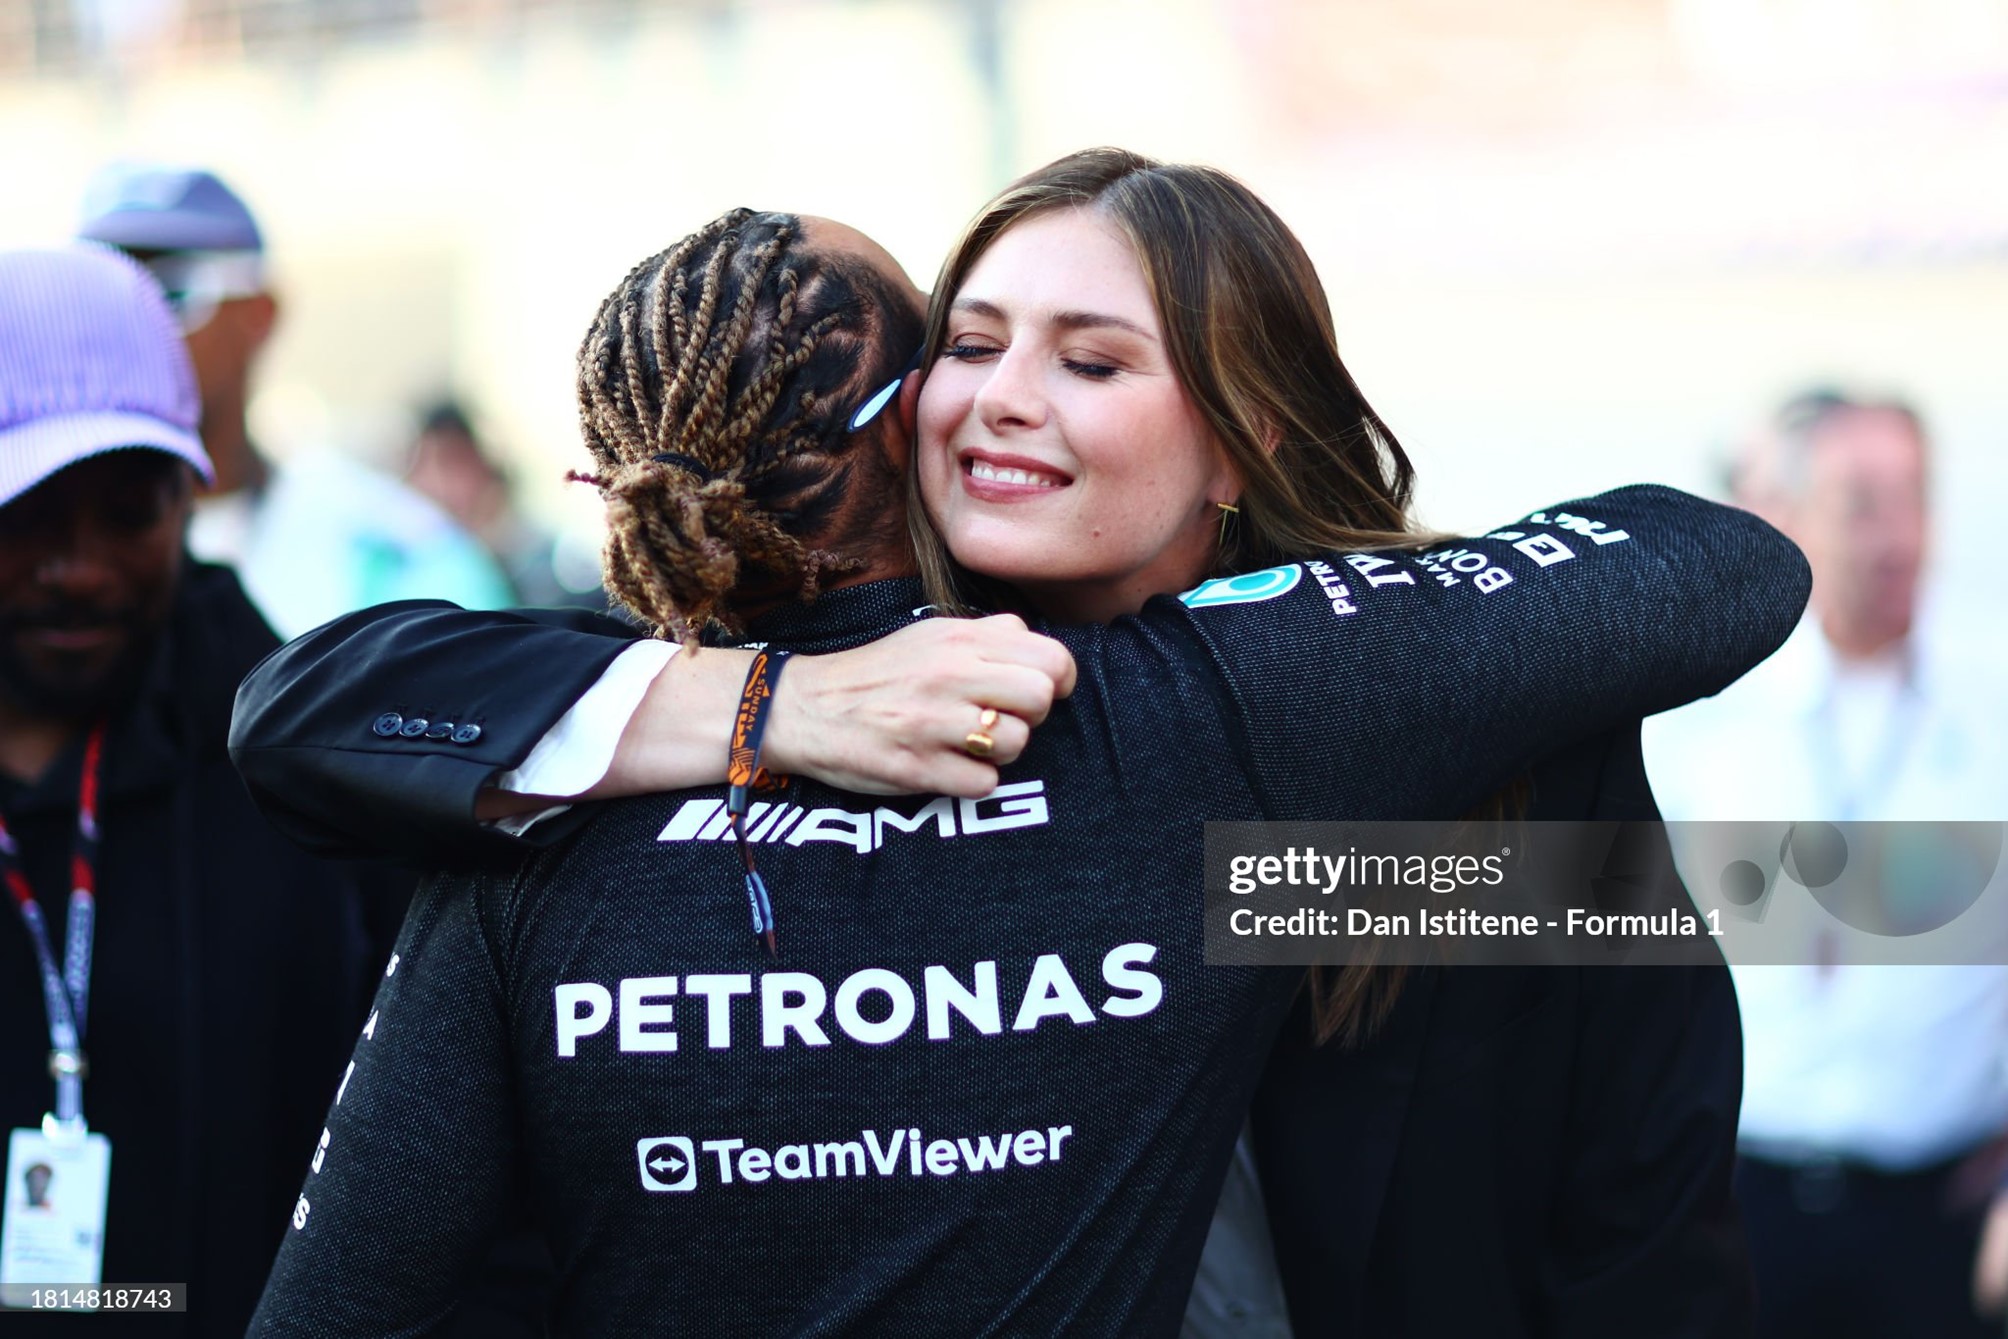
(199, 1023)
(1519, 1151)
(301, 724)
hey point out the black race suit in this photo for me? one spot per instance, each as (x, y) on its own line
(989, 1087)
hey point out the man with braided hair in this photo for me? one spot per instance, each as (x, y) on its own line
(989, 1086)
(707, 512)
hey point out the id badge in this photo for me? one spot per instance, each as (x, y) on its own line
(53, 1231)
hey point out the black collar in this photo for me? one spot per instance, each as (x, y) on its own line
(840, 619)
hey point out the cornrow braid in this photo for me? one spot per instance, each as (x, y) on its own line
(713, 385)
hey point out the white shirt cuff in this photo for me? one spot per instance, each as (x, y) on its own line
(518, 824)
(576, 752)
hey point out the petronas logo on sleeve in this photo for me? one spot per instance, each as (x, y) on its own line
(1248, 588)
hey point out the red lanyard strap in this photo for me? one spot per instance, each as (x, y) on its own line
(65, 992)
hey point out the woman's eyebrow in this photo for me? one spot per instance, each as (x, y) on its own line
(978, 307)
(1065, 320)
(1082, 320)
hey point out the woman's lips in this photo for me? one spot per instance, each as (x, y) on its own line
(991, 478)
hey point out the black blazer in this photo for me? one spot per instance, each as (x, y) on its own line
(1520, 1151)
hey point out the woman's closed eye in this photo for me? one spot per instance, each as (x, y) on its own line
(964, 350)
(1092, 371)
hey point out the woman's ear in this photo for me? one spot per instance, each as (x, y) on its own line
(1228, 482)
(1272, 435)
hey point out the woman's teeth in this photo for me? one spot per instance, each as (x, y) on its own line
(979, 470)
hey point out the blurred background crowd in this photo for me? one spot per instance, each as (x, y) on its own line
(1569, 244)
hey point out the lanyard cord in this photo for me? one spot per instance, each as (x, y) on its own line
(745, 775)
(1851, 792)
(66, 993)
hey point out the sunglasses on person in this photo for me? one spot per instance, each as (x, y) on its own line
(882, 397)
(199, 282)
(860, 420)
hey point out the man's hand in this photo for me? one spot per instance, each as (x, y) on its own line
(892, 717)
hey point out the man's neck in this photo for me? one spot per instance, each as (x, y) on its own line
(237, 463)
(1854, 647)
(886, 568)
(29, 744)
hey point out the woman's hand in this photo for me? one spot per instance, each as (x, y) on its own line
(892, 717)
(887, 718)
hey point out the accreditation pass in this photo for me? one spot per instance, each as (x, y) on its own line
(52, 1234)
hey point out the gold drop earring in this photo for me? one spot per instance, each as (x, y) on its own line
(1227, 509)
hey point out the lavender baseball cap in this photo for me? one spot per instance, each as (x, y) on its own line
(91, 360)
(146, 207)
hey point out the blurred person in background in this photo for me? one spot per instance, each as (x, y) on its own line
(321, 534)
(153, 991)
(1867, 1087)
(448, 464)
(311, 538)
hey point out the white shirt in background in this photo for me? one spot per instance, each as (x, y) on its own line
(1899, 1067)
(328, 535)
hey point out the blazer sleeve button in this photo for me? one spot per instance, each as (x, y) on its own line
(466, 734)
(414, 727)
(387, 724)
(439, 730)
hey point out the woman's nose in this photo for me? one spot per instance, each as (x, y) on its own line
(1012, 396)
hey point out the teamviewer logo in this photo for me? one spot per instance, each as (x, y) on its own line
(667, 1164)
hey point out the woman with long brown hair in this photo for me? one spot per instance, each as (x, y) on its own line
(1170, 318)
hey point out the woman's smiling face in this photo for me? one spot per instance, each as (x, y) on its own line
(1058, 450)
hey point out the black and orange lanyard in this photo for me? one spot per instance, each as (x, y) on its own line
(66, 991)
(745, 775)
